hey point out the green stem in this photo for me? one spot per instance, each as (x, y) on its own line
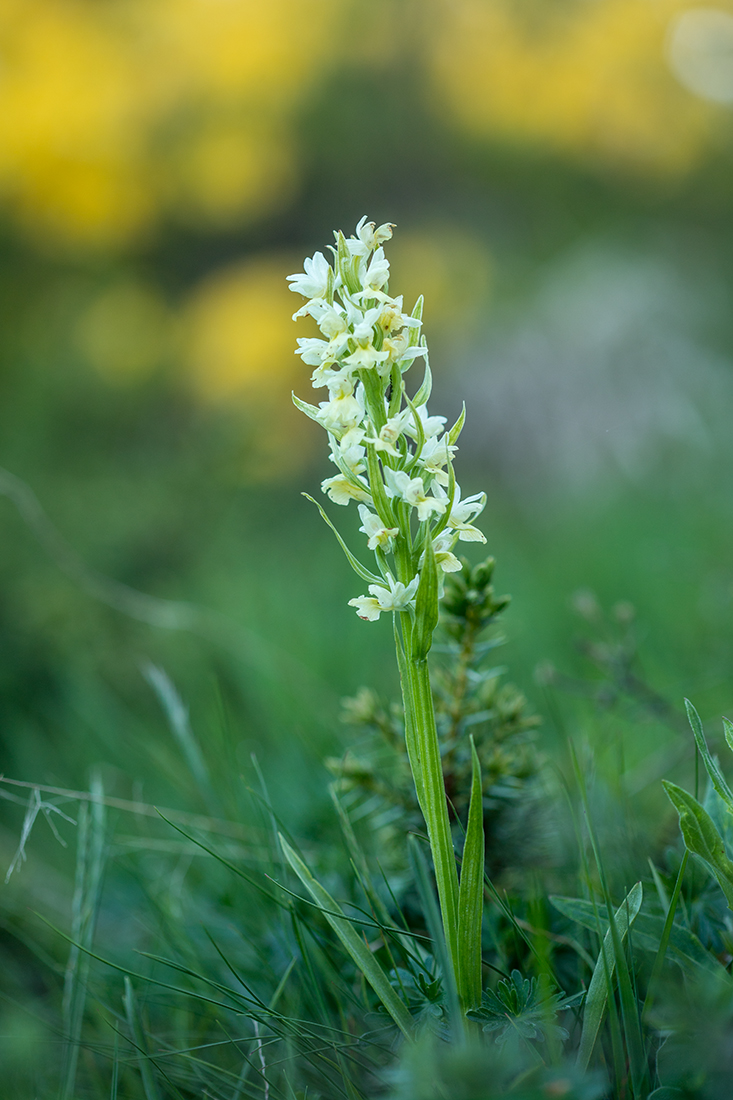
(420, 721)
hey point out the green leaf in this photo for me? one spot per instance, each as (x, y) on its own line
(426, 606)
(138, 1036)
(310, 410)
(411, 740)
(471, 895)
(376, 486)
(728, 727)
(713, 768)
(701, 837)
(598, 990)
(355, 564)
(457, 428)
(354, 944)
(524, 1007)
(423, 394)
(684, 948)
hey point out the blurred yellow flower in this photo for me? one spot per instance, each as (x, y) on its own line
(590, 78)
(113, 113)
(237, 331)
(449, 266)
(238, 350)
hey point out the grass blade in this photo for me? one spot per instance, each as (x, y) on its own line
(354, 945)
(471, 895)
(138, 1038)
(597, 996)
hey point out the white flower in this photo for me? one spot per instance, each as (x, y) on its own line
(444, 556)
(434, 457)
(395, 598)
(399, 348)
(341, 489)
(431, 425)
(349, 453)
(377, 274)
(392, 319)
(378, 535)
(339, 381)
(463, 511)
(343, 412)
(315, 352)
(412, 491)
(312, 282)
(366, 356)
(369, 237)
(390, 433)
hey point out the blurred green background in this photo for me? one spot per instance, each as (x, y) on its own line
(560, 178)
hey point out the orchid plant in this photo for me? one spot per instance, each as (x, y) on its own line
(395, 461)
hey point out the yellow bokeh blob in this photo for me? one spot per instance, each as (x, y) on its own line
(589, 77)
(239, 337)
(115, 114)
(238, 342)
(448, 266)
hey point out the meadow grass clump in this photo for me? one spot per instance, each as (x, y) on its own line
(467, 926)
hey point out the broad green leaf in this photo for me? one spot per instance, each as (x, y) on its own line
(471, 895)
(354, 944)
(701, 836)
(355, 564)
(713, 768)
(597, 996)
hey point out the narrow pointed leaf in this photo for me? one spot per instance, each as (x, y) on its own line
(597, 996)
(310, 410)
(426, 605)
(712, 767)
(457, 428)
(353, 943)
(471, 895)
(423, 394)
(355, 564)
(138, 1036)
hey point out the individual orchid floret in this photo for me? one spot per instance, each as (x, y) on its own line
(342, 489)
(445, 559)
(377, 534)
(399, 348)
(398, 597)
(348, 453)
(390, 432)
(431, 425)
(370, 238)
(391, 318)
(317, 353)
(462, 511)
(377, 274)
(343, 412)
(412, 491)
(434, 457)
(313, 281)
